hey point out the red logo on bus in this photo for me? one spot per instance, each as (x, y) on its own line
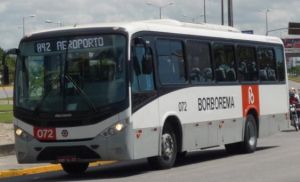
(250, 95)
(44, 134)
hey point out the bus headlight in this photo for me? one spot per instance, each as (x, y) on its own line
(119, 126)
(22, 134)
(19, 132)
(115, 128)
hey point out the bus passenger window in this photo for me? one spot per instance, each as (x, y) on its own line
(247, 64)
(280, 63)
(198, 57)
(267, 64)
(141, 81)
(224, 63)
(171, 63)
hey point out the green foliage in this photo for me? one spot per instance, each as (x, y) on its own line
(11, 62)
(294, 71)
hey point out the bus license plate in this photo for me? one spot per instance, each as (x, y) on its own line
(45, 133)
(70, 158)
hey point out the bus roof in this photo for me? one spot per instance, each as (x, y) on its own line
(176, 27)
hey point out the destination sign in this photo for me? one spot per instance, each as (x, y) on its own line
(71, 44)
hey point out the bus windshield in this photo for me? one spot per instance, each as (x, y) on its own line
(71, 74)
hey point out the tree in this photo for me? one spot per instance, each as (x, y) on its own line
(11, 63)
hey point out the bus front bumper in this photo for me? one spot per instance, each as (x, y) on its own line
(115, 147)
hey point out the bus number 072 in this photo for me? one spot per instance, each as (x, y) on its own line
(45, 133)
(182, 106)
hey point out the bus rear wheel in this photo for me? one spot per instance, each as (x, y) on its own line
(75, 168)
(168, 150)
(250, 138)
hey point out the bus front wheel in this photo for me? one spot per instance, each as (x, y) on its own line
(168, 150)
(75, 168)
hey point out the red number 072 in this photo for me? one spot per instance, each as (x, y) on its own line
(45, 133)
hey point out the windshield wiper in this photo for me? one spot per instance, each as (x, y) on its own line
(85, 96)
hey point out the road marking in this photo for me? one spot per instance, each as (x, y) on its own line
(43, 169)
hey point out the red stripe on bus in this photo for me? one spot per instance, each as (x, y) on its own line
(250, 96)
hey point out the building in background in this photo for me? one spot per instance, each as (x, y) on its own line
(292, 49)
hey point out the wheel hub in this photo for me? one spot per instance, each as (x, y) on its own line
(167, 146)
(252, 135)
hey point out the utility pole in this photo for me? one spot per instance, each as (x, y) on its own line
(222, 11)
(267, 25)
(204, 11)
(230, 13)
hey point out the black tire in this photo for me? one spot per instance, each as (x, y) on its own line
(168, 150)
(294, 123)
(250, 138)
(75, 168)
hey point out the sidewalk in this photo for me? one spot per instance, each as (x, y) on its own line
(7, 139)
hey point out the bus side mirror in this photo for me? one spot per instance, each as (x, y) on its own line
(5, 71)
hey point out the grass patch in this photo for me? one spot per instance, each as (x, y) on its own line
(9, 98)
(6, 107)
(6, 117)
(6, 114)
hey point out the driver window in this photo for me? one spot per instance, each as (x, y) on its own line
(141, 81)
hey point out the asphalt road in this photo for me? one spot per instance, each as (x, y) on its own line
(276, 160)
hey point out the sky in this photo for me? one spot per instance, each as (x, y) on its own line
(248, 15)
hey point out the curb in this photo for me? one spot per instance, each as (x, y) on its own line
(8, 149)
(43, 169)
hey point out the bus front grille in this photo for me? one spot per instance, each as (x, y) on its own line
(55, 153)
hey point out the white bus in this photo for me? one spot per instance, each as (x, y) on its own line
(150, 89)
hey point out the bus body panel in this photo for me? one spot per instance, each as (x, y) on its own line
(146, 130)
(273, 109)
(208, 117)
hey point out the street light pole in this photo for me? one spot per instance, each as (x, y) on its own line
(267, 25)
(160, 7)
(23, 22)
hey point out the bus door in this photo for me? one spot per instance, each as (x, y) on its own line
(144, 99)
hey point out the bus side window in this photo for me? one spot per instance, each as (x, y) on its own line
(198, 57)
(141, 80)
(280, 63)
(267, 64)
(247, 64)
(171, 63)
(224, 63)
